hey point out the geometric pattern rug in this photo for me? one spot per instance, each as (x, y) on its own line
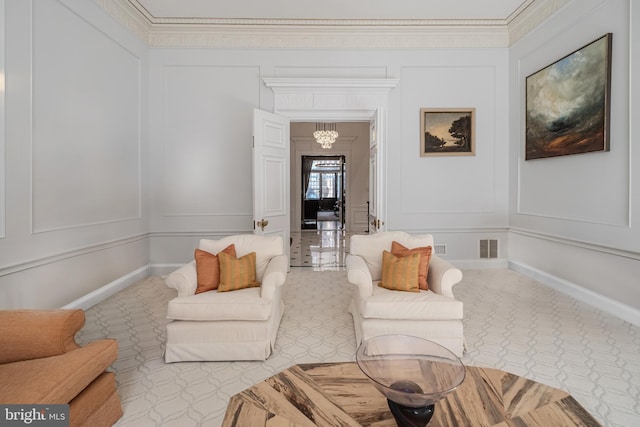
(511, 323)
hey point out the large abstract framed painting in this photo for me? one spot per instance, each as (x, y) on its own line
(447, 132)
(568, 103)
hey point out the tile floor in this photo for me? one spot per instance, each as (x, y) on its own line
(323, 249)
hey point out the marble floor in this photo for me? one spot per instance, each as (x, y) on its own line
(323, 249)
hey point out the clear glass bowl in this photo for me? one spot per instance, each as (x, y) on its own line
(410, 371)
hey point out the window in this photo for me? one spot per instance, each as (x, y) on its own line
(324, 180)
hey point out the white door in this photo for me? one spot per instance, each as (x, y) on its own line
(271, 176)
(376, 191)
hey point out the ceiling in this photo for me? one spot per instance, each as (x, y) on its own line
(448, 10)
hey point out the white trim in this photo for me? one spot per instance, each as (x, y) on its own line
(38, 262)
(165, 269)
(3, 213)
(109, 289)
(330, 33)
(601, 302)
(576, 243)
(479, 264)
(310, 99)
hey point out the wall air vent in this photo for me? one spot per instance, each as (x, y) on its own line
(488, 248)
(440, 249)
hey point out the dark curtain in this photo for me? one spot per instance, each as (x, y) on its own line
(306, 173)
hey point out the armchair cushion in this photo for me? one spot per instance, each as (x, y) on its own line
(243, 304)
(400, 273)
(34, 334)
(40, 363)
(56, 379)
(208, 268)
(425, 305)
(237, 273)
(398, 249)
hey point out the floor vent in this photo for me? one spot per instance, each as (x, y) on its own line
(440, 249)
(488, 248)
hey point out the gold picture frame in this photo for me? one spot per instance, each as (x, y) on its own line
(447, 132)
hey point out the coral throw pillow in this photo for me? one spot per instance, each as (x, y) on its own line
(208, 268)
(400, 273)
(425, 256)
(237, 273)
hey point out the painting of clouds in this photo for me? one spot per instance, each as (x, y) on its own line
(567, 110)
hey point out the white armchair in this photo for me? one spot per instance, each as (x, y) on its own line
(433, 314)
(236, 325)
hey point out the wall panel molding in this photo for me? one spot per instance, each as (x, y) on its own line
(73, 253)
(577, 243)
(103, 134)
(3, 172)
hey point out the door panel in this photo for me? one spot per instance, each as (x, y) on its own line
(376, 195)
(271, 176)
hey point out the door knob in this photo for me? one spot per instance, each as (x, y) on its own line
(262, 223)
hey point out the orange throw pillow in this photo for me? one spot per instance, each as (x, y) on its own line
(237, 273)
(425, 256)
(400, 273)
(208, 268)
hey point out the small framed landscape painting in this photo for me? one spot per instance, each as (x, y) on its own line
(568, 103)
(447, 132)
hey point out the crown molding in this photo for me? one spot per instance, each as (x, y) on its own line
(329, 34)
(326, 37)
(536, 14)
(128, 16)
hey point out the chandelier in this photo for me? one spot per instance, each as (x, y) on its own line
(325, 134)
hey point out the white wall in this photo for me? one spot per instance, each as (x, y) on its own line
(574, 218)
(75, 147)
(200, 112)
(118, 156)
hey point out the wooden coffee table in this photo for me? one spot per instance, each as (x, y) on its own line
(338, 394)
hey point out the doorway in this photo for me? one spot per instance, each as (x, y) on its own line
(323, 193)
(350, 189)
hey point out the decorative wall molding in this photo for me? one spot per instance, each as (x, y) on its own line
(2, 126)
(329, 98)
(329, 33)
(129, 16)
(536, 14)
(328, 37)
(136, 65)
(61, 256)
(577, 243)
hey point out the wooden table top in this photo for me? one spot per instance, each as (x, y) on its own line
(339, 394)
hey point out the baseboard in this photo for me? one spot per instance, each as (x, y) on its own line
(110, 289)
(480, 264)
(164, 269)
(608, 305)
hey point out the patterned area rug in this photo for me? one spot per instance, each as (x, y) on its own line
(511, 323)
(316, 327)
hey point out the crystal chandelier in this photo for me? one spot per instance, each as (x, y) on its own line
(325, 134)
